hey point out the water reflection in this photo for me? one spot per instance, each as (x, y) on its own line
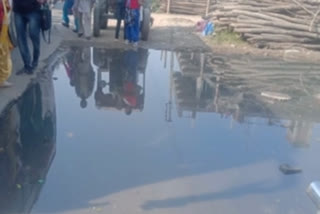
(27, 146)
(154, 160)
(120, 77)
(281, 93)
(80, 71)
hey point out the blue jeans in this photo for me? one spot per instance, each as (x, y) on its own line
(30, 21)
(132, 29)
(68, 4)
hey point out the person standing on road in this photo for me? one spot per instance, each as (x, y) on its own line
(120, 14)
(132, 21)
(27, 19)
(83, 10)
(5, 45)
(67, 9)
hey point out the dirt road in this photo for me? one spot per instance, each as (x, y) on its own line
(169, 32)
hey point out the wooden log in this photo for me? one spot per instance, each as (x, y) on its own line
(244, 28)
(275, 38)
(275, 22)
(273, 45)
(289, 19)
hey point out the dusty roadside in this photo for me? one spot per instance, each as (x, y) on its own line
(169, 32)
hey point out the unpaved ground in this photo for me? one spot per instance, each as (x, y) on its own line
(177, 32)
(169, 32)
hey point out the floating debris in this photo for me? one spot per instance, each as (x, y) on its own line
(40, 181)
(70, 135)
(314, 193)
(19, 186)
(276, 96)
(289, 170)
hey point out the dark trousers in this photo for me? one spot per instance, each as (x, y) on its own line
(118, 27)
(28, 22)
(120, 12)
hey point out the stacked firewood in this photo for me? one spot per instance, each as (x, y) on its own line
(272, 23)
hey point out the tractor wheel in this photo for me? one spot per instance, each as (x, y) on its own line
(104, 23)
(96, 21)
(145, 28)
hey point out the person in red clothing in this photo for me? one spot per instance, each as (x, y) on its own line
(132, 21)
(131, 91)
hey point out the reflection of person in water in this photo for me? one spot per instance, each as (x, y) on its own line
(124, 91)
(131, 89)
(112, 98)
(83, 75)
(29, 130)
(69, 61)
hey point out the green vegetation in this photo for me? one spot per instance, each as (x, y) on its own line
(155, 5)
(227, 37)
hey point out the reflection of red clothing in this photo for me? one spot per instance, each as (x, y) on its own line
(130, 94)
(68, 69)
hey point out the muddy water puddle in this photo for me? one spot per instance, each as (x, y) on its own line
(146, 131)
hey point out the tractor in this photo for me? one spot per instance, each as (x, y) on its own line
(105, 10)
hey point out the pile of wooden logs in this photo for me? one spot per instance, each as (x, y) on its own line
(272, 23)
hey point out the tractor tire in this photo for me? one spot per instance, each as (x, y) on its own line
(96, 21)
(145, 28)
(104, 23)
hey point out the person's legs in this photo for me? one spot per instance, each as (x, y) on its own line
(65, 13)
(124, 31)
(80, 23)
(122, 13)
(128, 32)
(87, 25)
(21, 28)
(76, 22)
(118, 28)
(127, 25)
(34, 31)
(135, 30)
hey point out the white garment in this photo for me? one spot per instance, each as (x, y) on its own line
(85, 24)
(84, 6)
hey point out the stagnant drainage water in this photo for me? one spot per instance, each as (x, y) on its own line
(146, 131)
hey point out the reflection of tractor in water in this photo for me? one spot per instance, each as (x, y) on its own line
(121, 79)
(105, 10)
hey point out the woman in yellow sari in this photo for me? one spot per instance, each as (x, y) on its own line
(5, 45)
